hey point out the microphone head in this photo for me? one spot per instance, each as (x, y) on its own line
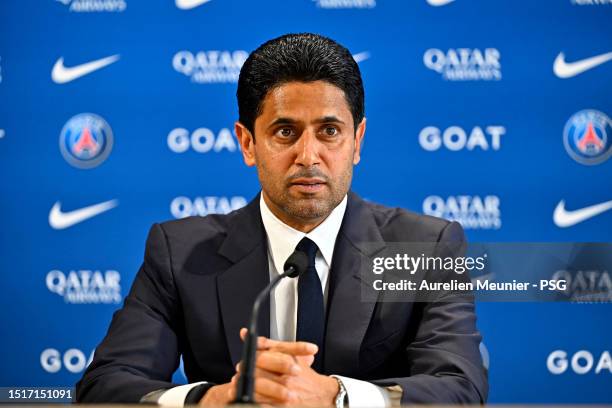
(297, 263)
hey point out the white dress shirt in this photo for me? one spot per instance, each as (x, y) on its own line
(282, 240)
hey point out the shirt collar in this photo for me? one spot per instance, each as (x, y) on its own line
(282, 239)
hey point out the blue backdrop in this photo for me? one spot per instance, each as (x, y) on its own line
(493, 113)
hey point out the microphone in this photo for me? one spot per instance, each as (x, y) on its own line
(295, 265)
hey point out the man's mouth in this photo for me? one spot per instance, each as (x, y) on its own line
(308, 185)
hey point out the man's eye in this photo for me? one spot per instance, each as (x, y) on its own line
(330, 131)
(285, 132)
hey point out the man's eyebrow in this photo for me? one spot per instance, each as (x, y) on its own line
(289, 121)
(282, 121)
(329, 119)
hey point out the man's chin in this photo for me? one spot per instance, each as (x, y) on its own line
(309, 208)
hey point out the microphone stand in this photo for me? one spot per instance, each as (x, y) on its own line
(295, 265)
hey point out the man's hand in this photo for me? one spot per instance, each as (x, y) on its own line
(304, 352)
(283, 374)
(222, 394)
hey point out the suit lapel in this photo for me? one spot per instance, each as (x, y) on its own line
(351, 295)
(239, 285)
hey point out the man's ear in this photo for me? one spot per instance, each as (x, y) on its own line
(247, 143)
(359, 134)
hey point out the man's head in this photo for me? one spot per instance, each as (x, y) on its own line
(301, 106)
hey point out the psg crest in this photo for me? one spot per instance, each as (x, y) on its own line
(586, 137)
(86, 140)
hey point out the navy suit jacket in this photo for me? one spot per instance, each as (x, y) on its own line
(201, 275)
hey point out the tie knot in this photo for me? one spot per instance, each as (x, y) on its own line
(308, 246)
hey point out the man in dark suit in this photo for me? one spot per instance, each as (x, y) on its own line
(301, 124)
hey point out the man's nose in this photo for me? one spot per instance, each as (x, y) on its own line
(308, 149)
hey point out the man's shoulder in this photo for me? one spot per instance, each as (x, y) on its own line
(200, 245)
(203, 234)
(198, 226)
(398, 224)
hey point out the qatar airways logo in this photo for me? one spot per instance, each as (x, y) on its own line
(207, 67)
(456, 138)
(202, 140)
(86, 286)
(465, 64)
(94, 6)
(182, 207)
(586, 286)
(73, 360)
(581, 362)
(472, 212)
(591, 2)
(345, 4)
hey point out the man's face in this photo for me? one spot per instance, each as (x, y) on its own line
(305, 148)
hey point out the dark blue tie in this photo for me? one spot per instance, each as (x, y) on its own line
(311, 313)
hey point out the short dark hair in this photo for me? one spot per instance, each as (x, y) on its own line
(297, 57)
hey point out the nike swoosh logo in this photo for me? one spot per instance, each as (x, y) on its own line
(438, 3)
(564, 218)
(361, 56)
(61, 220)
(61, 74)
(564, 69)
(189, 4)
